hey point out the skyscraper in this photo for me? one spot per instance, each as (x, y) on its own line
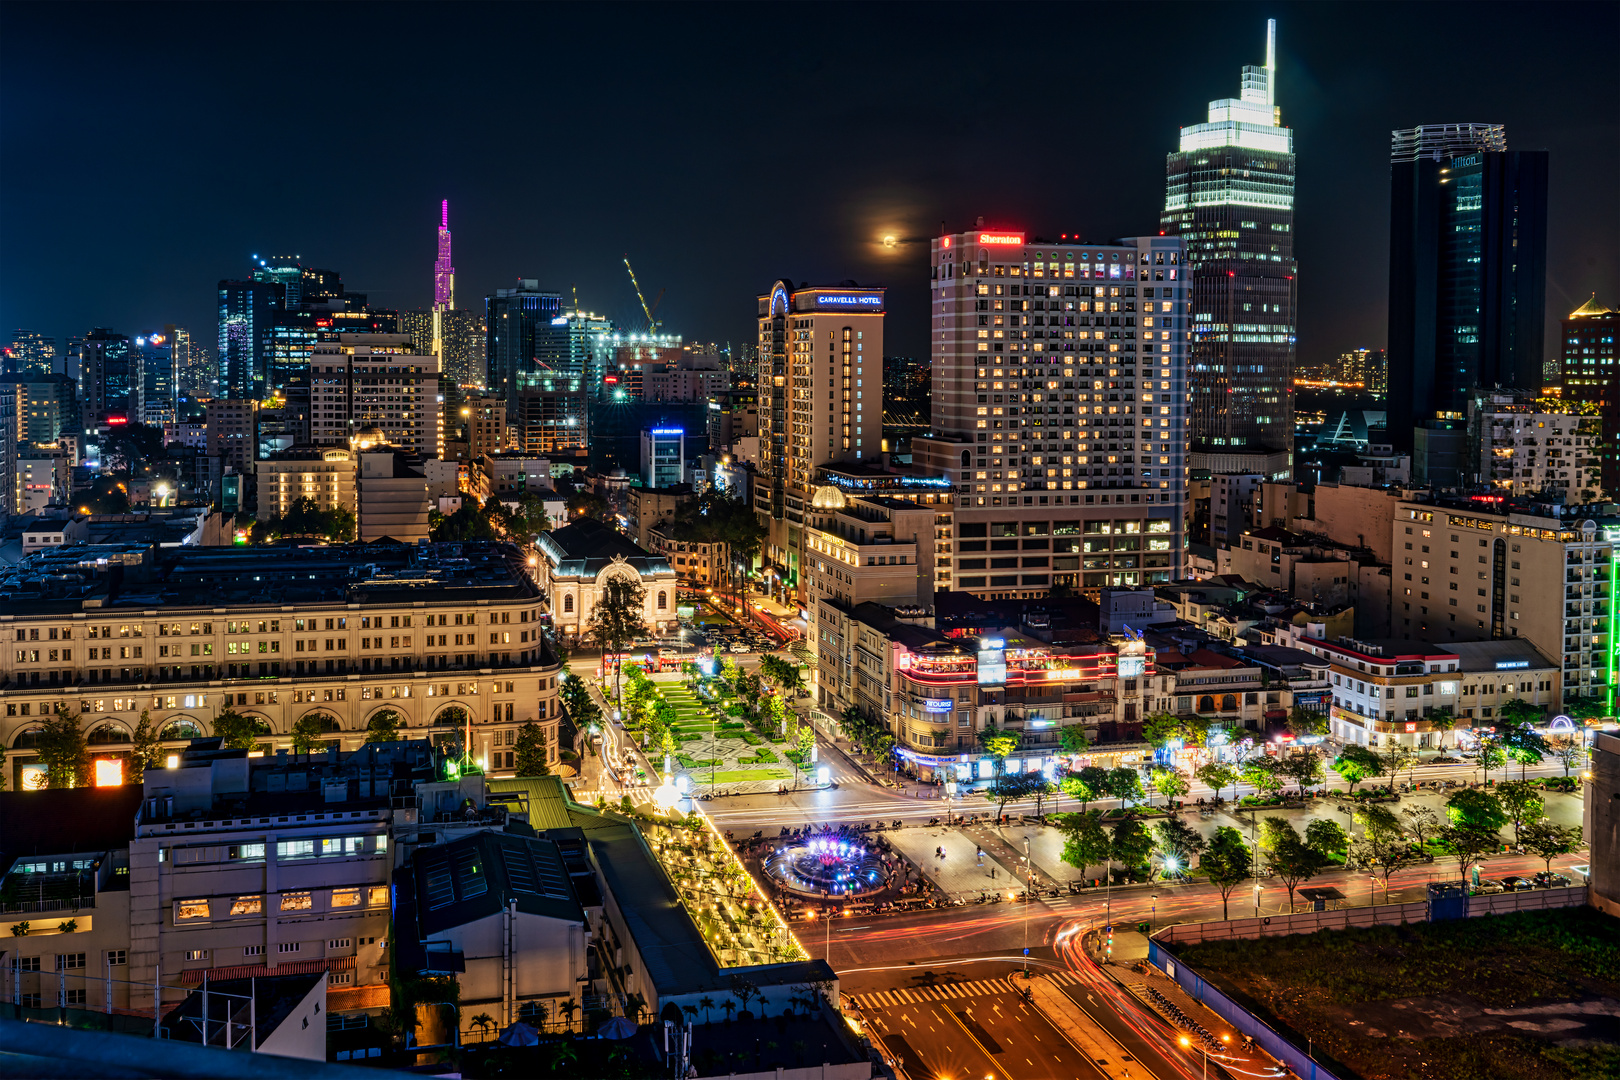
(821, 370)
(105, 380)
(1589, 375)
(32, 353)
(1230, 195)
(247, 311)
(1059, 413)
(517, 322)
(1467, 283)
(155, 381)
(444, 274)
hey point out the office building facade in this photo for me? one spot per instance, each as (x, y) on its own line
(1230, 195)
(247, 313)
(155, 380)
(31, 353)
(821, 401)
(105, 364)
(1059, 409)
(1589, 375)
(663, 457)
(516, 324)
(374, 381)
(1467, 283)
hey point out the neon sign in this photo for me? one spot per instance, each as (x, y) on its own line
(848, 300)
(1002, 239)
(938, 705)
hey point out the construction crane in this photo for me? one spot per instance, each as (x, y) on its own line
(652, 323)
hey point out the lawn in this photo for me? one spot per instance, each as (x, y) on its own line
(1411, 1001)
(739, 776)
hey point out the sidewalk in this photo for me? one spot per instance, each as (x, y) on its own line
(960, 873)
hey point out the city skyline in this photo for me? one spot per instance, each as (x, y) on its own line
(1345, 89)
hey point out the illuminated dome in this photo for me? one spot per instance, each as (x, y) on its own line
(1591, 307)
(828, 497)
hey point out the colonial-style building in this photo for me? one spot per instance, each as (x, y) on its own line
(576, 563)
(447, 638)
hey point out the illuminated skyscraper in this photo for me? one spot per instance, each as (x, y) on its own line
(444, 274)
(32, 353)
(1230, 195)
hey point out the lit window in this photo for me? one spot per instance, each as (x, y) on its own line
(345, 898)
(248, 905)
(297, 901)
(191, 909)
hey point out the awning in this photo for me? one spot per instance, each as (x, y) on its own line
(244, 971)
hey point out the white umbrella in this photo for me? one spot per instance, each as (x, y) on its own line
(520, 1034)
(616, 1028)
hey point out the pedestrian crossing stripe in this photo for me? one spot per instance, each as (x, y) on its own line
(943, 992)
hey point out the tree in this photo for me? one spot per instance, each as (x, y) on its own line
(1273, 831)
(616, 620)
(1227, 862)
(1293, 860)
(237, 731)
(706, 1003)
(1303, 766)
(1570, 750)
(1380, 845)
(1177, 843)
(1125, 784)
(1467, 844)
(1159, 728)
(1089, 783)
(1355, 763)
(1041, 792)
(383, 726)
(583, 504)
(998, 743)
(1522, 742)
(1548, 841)
(307, 732)
(1073, 739)
(1014, 787)
(1489, 754)
(1261, 774)
(568, 1007)
(1327, 837)
(1520, 803)
(1132, 844)
(1475, 808)
(1170, 783)
(1398, 756)
(148, 748)
(1422, 820)
(1303, 723)
(1586, 708)
(63, 750)
(483, 1023)
(530, 759)
(1085, 841)
(1216, 775)
(1442, 720)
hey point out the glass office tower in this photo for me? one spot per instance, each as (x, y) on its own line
(1229, 194)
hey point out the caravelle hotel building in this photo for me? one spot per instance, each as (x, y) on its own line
(446, 636)
(1059, 409)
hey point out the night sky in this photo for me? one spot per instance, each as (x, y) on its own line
(147, 150)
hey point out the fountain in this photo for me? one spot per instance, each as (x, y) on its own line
(827, 865)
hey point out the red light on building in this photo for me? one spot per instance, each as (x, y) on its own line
(947, 242)
(117, 420)
(1002, 239)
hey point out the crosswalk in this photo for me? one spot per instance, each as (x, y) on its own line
(881, 999)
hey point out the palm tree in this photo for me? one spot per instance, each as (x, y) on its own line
(634, 1006)
(563, 1052)
(484, 1023)
(568, 1007)
(705, 1003)
(1441, 720)
(730, 1006)
(691, 1014)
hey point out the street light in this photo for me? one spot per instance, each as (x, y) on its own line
(1029, 887)
(1154, 918)
(1257, 901)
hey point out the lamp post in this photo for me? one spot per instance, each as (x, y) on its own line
(1029, 887)
(1153, 919)
(1257, 901)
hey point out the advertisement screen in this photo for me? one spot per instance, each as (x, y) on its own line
(1131, 667)
(992, 667)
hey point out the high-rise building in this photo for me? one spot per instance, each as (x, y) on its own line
(1059, 412)
(156, 380)
(247, 315)
(374, 381)
(516, 324)
(1588, 374)
(31, 353)
(663, 457)
(821, 401)
(105, 380)
(485, 419)
(1230, 195)
(46, 404)
(444, 273)
(233, 433)
(1526, 445)
(1467, 284)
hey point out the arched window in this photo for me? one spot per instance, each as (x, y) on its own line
(27, 740)
(1206, 704)
(1228, 703)
(663, 600)
(182, 729)
(568, 605)
(107, 734)
(966, 458)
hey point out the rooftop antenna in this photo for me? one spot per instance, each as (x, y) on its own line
(1271, 62)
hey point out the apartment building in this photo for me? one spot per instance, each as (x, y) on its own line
(1533, 446)
(374, 381)
(233, 432)
(1485, 568)
(446, 638)
(1059, 401)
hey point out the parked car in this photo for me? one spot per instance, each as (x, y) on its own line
(1544, 880)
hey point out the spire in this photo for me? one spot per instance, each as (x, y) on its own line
(444, 214)
(444, 273)
(1271, 62)
(1591, 307)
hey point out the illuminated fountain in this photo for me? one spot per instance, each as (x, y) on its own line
(827, 866)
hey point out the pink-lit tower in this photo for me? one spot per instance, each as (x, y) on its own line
(444, 274)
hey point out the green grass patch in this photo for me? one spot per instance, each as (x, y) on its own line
(738, 776)
(697, 763)
(764, 756)
(751, 739)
